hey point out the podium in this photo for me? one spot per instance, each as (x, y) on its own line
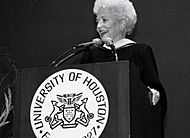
(130, 113)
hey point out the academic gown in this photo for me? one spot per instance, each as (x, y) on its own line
(142, 56)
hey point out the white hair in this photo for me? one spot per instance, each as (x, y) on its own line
(123, 9)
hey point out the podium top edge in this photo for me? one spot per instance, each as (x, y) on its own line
(75, 65)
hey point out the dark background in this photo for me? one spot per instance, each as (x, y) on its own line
(37, 31)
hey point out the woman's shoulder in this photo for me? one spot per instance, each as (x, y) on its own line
(141, 47)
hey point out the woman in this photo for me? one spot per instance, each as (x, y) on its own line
(116, 19)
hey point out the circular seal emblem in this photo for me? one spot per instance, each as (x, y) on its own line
(71, 103)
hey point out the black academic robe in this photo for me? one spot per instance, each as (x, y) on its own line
(142, 56)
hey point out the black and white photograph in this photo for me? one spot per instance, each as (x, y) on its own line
(94, 69)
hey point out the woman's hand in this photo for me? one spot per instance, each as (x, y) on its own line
(155, 95)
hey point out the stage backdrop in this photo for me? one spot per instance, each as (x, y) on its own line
(37, 31)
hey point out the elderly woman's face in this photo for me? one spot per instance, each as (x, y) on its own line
(108, 26)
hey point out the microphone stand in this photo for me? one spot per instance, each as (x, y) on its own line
(115, 56)
(61, 60)
(109, 42)
(68, 57)
(61, 56)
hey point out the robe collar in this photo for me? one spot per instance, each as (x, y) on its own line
(120, 43)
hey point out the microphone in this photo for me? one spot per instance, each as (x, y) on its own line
(109, 42)
(96, 42)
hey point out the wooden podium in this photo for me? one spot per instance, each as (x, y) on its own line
(130, 113)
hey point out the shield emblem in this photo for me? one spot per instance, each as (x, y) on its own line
(69, 113)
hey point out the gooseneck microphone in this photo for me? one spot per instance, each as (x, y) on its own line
(74, 51)
(95, 42)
